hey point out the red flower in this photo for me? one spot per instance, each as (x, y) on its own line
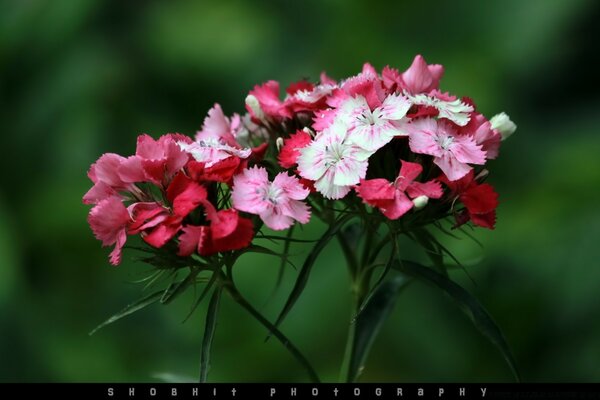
(480, 201)
(394, 199)
(227, 231)
(289, 153)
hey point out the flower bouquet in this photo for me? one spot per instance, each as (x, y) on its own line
(375, 156)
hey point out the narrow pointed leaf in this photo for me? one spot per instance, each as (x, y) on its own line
(378, 307)
(307, 267)
(386, 269)
(181, 286)
(209, 332)
(197, 302)
(131, 308)
(469, 305)
(238, 298)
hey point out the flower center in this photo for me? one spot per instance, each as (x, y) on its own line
(334, 154)
(367, 117)
(272, 194)
(445, 141)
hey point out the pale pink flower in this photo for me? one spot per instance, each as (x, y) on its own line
(452, 152)
(333, 162)
(372, 129)
(278, 203)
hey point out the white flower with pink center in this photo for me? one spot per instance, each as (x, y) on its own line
(211, 151)
(455, 110)
(373, 129)
(278, 203)
(452, 152)
(333, 162)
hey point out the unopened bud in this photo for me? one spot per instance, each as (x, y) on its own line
(254, 105)
(420, 202)
(279, 143)
(309, 131)
(482, 174)
(502, 123)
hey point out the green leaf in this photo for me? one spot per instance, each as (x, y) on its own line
(181, 286)
(307, 266)
(197, 302)
(238, 298)
(131, 308)
(430, 244)
(387, 267)
(284, 259)
(376, 310)
(209, 332)
(349, 239)
(469, 305)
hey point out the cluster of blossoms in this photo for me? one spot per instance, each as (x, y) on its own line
(390, 140)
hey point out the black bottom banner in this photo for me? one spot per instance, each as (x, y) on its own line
(366, 391)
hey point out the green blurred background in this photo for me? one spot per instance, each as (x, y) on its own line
(80, 78)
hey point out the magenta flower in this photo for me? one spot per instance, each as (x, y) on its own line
(278, 203)
(109, 220)
(155, 161)
(452, 152)
(107, 180)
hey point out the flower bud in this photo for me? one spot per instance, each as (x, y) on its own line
(420, 202)
(502, 123)
(254, 105)
(309, 131)
(279, 143)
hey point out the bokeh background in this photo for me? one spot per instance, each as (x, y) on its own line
(80, 78)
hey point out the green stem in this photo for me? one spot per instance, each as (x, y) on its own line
(359, 289)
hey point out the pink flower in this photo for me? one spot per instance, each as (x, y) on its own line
(393, 199)
(333, 162)
(481, 130)
(264, 100)
(155, 161)
(366, 84)
(109, 220)
(278, 203)
(289, 153)
(107, 181)
(420, 77)
(452, 152)
(217, 127)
